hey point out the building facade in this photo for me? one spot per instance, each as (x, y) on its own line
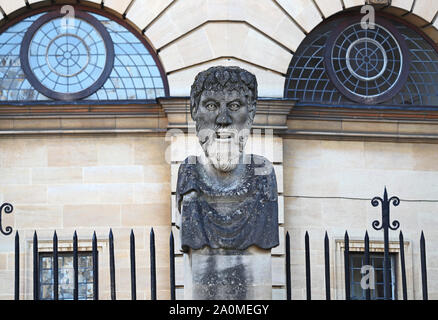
(94, 121)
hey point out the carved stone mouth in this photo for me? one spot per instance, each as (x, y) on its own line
(225, 135)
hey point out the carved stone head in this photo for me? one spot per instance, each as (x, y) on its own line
(223, 105)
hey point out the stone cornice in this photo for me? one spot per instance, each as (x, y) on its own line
(363, 124)
(283, 116)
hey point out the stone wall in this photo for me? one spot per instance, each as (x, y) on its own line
(317, 170)
(87, 183)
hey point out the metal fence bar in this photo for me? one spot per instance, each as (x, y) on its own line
(172, 266)
(132, 254)
(347, 266)
(403, 266)
(55, 266)
(95, 268)
(386, 266)
(36, 282)
(112, 266)
(288, 271)
(367, 262)
(423, 266)
(17, 267)
(308, 274)
(153, 266)
(386, 225)
(75, 267)
(327, 266)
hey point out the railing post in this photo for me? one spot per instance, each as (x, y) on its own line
(423, 266)
(367, 262)
(95, 268)
(172, 266)
(75, 267)
(133, 277)
(403, 266)
(385, 224)
(17, 266)
(112, 266)
(308, 273)
(55, 266)
(35, 268)
(288, 271)
(153, 266)
(327, 266)
(347, 266)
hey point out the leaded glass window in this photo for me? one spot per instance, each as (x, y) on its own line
(376, 261)
(66, 276)
(340, 63)
(92, 57)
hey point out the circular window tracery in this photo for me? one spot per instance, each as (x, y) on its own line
(67, 59)
(368, 65)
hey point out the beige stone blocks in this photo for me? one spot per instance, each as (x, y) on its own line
(174, 23)
(426, 9)
(91, 215)
(143, 12)
(73, 152)
(145, 214)
(202, 45)
(15, 175)
(303, 11)
(10, 6)
(118, 5)
(113, 174)
(271, 84)
(22, 153)
(353, 3)
(334, 184)
(329, 7)
(403, 4)
(33, 216)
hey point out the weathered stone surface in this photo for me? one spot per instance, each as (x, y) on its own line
(228, 216)
(228, 200)
(223, 274)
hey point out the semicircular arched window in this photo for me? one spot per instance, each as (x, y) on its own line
(48, 57)
(342, 63)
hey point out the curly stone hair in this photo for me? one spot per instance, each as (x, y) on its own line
(220, 78)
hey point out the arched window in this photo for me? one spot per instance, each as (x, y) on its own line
(51, 56)
(388, 63)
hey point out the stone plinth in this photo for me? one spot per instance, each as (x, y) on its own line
(215, 274)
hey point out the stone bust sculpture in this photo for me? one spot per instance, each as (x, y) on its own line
(227, 199)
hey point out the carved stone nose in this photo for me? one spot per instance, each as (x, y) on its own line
(224, 119)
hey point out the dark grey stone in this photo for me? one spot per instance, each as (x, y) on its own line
(217, 283)
(226, 199)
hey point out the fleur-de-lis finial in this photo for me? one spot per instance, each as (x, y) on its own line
(385, 202)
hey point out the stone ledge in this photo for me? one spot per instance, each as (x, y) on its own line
(74, 124)
(363, 124)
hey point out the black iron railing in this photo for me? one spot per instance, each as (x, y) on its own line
(384, 225)
(36, 266)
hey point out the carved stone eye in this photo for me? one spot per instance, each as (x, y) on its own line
(234, 106)
(211, 106)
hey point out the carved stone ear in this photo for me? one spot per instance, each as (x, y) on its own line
(252, 111)
(193, 108)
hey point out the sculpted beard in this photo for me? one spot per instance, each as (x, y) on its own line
(223, 147)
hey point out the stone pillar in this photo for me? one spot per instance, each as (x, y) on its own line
(225, 274)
